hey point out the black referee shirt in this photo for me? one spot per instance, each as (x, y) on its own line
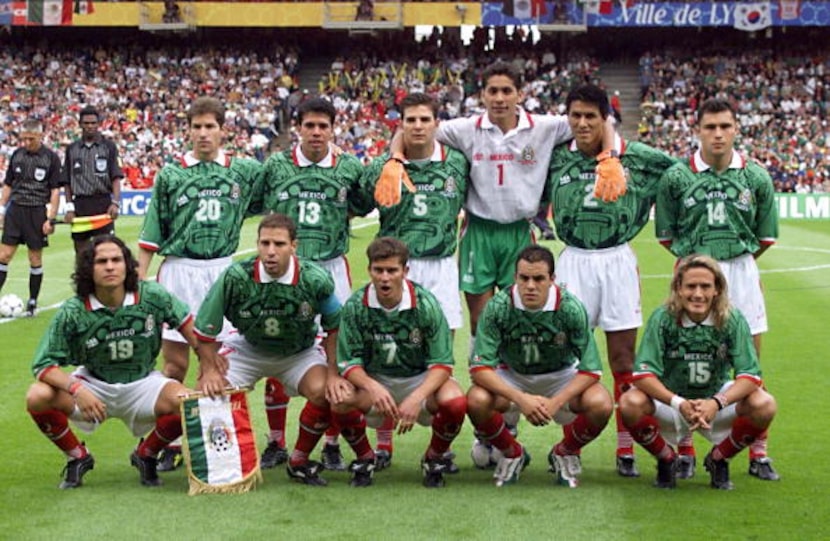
(32, 176)
(89, 169)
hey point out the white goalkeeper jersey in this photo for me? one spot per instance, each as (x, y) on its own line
(508, 171)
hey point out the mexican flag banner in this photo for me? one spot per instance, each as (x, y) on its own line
(219, 445)
(49, 12)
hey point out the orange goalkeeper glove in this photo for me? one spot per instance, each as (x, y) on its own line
(388, 188)
(610, 183)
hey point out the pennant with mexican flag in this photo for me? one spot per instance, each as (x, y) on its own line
(219, 444)
(49, 12)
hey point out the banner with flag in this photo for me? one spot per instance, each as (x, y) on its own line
(753, 16)
(84, 7)
(49, 12)
(5, 12)
(219, 444)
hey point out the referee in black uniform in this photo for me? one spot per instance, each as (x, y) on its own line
(91, 177)
(32, 181)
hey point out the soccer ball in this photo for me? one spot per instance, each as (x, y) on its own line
(10, 305)
(484, 455)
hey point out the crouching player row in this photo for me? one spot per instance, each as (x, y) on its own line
(535, 352)
(391, 338)
(111, 330)
(691, 349)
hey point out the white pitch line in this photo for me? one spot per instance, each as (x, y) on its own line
(240, 252)
(643, 276)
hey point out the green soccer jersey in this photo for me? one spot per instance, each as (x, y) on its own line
(536, 341)
(319, 197)
(277, 314)
(116, 346)
(403, 342)
(197, 208)
(694, 360)
(582, 220)
(427, 220)
(723, 215)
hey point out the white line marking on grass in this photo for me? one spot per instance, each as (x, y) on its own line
(362, 225)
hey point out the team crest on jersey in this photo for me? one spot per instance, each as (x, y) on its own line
(100, 164)
(528, 156)
(219, 436)
(450, 185)
(235, 191)
(341, 195)
(40, 174)
(149, 323)
(723, 351)
(415, 337)
(560, 339)
(305, 310)
(745, 198)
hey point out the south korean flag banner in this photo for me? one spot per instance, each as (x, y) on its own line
(219, 444)
(753, 16)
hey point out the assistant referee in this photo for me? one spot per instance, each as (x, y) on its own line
(31, 182)
(91, 177)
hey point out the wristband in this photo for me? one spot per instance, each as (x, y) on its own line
(721, 399)
(69, 207)
(116, 203)
(676, 402)
(52, 221)
(395, 159)
(74, 387)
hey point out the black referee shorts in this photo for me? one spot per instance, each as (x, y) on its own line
(24, 225)
(93, 205)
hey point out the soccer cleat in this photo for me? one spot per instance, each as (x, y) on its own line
(332, 458)
(147, 471)
(169, 459)
(362, 472)
(508, 469)
(383, 459)
(718, 473)
(307, 473)
(667, 473)
(434, 470)
(30, 307)
(686, 466)
(626, 467)
(484, 455)
(273, 455)
(567, 469)
(73, 472)
(452, 468)
(762, 469)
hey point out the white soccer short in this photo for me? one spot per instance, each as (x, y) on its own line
(400, 388)
(339, 269)
(745, 291)
(440, 277)
(540, 384)
(673, 427)
(189, 280)
(249, 364)
(134, 403)
(607, 282)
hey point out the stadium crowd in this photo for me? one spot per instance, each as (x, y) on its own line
(781, 98)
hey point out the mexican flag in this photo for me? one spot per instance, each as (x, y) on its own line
(49, 12)
(220, 448)
(84, 7)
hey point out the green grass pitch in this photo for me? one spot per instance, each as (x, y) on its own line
(112, 504)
